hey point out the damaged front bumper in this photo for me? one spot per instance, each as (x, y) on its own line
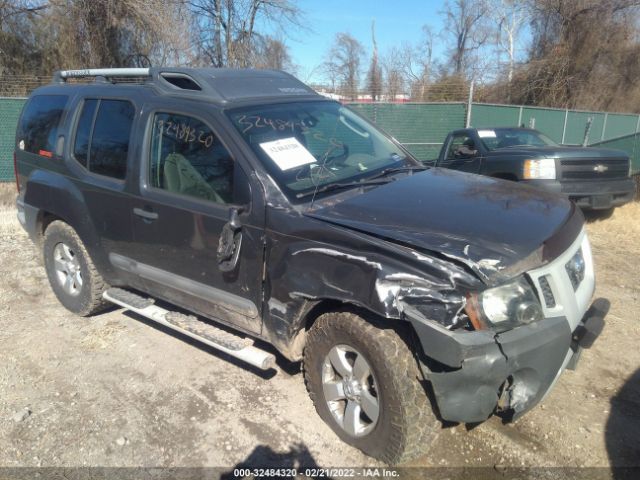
(479, 373)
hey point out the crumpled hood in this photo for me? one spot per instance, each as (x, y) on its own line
(495, 227)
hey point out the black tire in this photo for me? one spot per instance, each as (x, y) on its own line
(87, 299)
(598, 215)
(406, 424)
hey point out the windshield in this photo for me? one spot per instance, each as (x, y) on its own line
(309, 145)
(495, 138)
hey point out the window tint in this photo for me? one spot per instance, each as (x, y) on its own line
(188, 158)
(109, 143)
(513, 137)
(39, 123)
(462, 146)
(83, 132)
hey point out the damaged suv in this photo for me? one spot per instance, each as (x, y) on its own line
(257, 211)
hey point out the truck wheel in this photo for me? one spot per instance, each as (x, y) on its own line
(72, 275)
(365, 384)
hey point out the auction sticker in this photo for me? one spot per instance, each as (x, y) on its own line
(288, 153)
(487, 133)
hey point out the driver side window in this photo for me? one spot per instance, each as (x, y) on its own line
(461, 146)
(188, 158)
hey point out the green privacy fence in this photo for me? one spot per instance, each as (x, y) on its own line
(569, 127)
(628, 143)
(422, 127)
(10, 109)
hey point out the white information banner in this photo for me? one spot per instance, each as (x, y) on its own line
(487, 133)
(288, 153)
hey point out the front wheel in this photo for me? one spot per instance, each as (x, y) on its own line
(365, 384)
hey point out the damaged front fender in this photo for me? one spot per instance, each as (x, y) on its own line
(356, 269)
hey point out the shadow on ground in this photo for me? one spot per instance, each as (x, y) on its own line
(622, 432)
(296, 460)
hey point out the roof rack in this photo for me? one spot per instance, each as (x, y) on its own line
(61, 76)
(221, 85)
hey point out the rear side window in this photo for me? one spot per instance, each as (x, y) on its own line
(39, 124)
(83, 133)
(102, 138)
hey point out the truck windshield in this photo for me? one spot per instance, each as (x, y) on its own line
(496, 138)
(309, 145)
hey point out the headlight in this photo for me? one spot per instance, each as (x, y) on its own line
(540, 168)
(504, 307)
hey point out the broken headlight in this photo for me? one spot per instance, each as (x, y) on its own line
(504, 307)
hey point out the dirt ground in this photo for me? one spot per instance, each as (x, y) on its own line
(114, 390)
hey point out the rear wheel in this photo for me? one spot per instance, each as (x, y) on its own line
(365, 384)
(73, 277)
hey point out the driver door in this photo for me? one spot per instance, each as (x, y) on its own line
(198, 235)
(462, 154)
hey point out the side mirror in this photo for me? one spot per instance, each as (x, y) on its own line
(230, 241)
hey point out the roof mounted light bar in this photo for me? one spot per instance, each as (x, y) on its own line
(63, 75)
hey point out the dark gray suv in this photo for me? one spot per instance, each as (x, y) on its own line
(260, 212)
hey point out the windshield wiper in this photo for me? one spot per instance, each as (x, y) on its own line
(339, 186)
(389, 170)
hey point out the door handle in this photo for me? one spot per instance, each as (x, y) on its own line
(146, 214)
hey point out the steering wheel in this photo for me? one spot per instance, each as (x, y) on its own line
(323, 164)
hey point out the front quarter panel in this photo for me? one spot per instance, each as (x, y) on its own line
(315, 262)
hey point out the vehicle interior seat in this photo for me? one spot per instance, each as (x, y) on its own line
(181, 177)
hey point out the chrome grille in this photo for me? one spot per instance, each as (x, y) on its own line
(594, 168)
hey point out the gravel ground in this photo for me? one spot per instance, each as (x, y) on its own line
(115, 390)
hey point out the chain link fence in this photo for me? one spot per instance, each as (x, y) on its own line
(10, 109)
(419, 117)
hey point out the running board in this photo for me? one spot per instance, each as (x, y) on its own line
(236, 346)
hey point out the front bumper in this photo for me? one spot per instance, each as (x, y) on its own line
(510, 372)
(591, 195)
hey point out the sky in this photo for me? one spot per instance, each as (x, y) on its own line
(396, 22)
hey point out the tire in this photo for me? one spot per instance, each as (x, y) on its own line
(406, 425)
(597, 215)
(72, 275)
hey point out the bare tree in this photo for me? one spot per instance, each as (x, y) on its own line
(418, 64)
(572, 64)
(393, 74)
(465, 24)
(374, 75)
(226, 33)
(343, 64)
(38, 37)
(510, 16)
(272, 53)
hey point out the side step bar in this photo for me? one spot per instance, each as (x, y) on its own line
(238, 347)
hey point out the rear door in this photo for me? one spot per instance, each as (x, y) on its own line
(198, 233)
(99, 157)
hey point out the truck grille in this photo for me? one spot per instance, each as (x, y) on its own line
(594, 168)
